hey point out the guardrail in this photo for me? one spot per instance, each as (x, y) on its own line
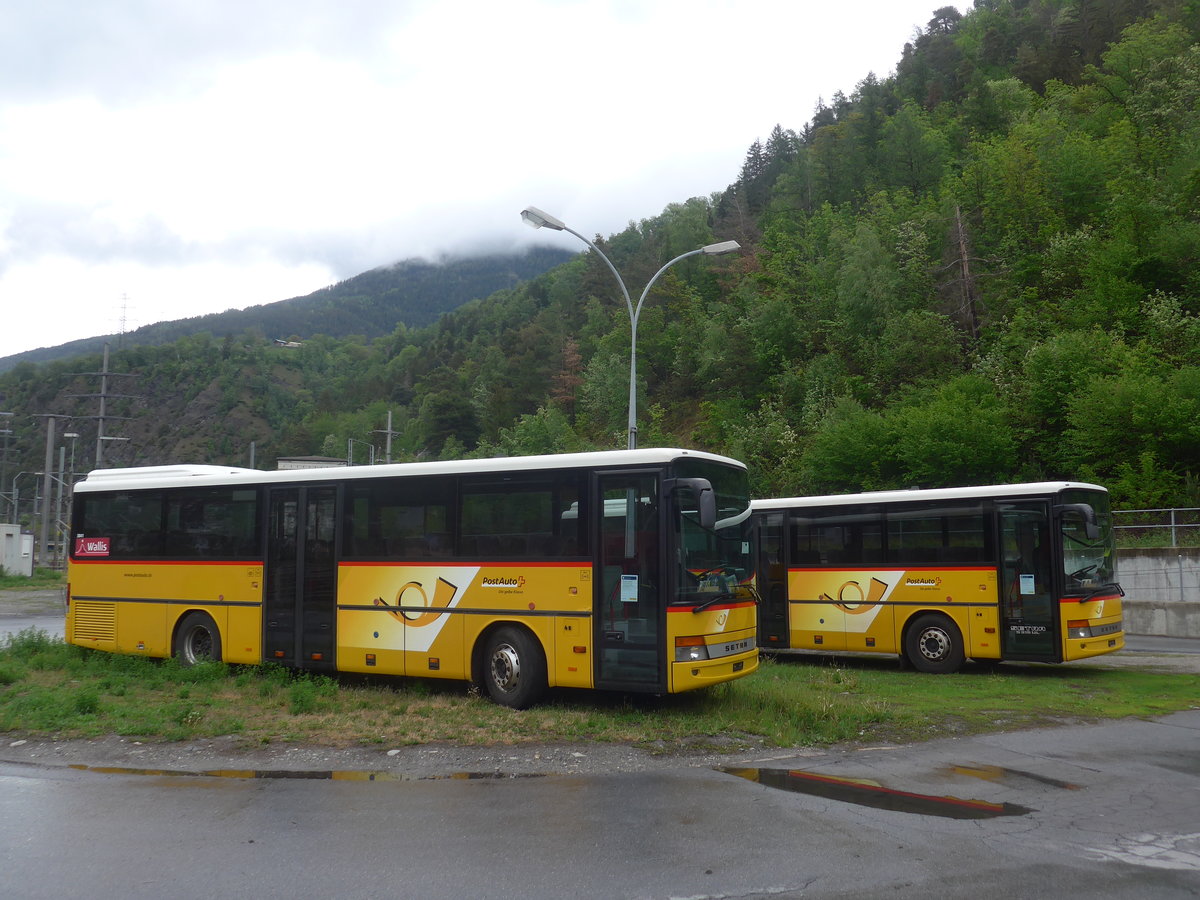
(1157, 527)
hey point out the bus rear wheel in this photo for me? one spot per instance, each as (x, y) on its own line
(514, 668)
(197, 640)
(934, 644)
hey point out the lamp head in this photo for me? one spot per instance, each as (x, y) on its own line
(723, 247)
(535, 218)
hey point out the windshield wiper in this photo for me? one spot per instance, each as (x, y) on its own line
(1103, 589)
(714, 599)
(743, 592)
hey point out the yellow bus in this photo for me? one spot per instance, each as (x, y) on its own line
(623, 570)
(1004, 572)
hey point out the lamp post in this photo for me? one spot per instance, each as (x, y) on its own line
(535, 218)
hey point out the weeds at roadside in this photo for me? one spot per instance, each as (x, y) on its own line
(52, 689)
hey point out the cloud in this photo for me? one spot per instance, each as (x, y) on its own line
(148, 147)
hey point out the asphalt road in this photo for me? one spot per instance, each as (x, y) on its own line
(1105, 811)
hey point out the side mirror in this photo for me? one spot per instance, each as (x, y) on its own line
(1086, 513)
(706, 497)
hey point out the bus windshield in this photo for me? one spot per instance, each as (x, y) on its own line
(1087, 562)
(716, 563)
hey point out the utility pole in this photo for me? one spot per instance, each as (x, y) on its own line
(104, 397)
(124, 323)
(7, 432)
(47, 483)
(387, 451)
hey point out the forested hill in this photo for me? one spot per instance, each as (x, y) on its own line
(413, 292)
(981, 267)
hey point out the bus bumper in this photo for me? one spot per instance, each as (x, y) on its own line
(1105, 636)
(687, 676)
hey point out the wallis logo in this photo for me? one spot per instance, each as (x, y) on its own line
(92, 546)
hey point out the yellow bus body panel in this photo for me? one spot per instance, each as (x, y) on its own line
(572, 660)
(983, 637)
(1104, 615)
(729, 634)
(143, 601)
(867, 610)
(426, 620)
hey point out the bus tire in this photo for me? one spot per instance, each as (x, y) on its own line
(197, 640)
(934, 644)
(514, 668)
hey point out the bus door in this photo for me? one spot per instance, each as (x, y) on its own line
(1028, 617)
(630, 621)
(299, 606)
(772, 582)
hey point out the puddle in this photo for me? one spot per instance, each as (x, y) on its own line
(872, 794)
(1000, 774)
(306, 775)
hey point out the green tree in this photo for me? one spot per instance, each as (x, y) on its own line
(958, 436)
(913, 152)
(853, 449)
(916, 347)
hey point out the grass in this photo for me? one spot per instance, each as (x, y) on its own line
(51, 689)
(42, 579)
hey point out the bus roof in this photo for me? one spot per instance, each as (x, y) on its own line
(1038, 488)
(147, 477)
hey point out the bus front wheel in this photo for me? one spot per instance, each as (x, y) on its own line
(197, 640)
(934, 644)
(514, 668)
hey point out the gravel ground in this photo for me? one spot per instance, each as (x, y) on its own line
(429, 761)
(15, 602)
(223, 754)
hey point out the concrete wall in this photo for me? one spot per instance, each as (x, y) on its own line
(16, 551)
(1162, 591)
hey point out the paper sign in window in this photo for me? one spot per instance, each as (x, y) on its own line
(629, 588)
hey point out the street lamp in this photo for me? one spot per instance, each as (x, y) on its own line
(536, 218)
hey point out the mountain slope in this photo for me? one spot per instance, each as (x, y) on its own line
(413, 292)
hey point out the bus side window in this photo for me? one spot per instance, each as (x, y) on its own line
(932, 534)
(399, 520)
(838, 536)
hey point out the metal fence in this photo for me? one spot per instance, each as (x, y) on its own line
(1157, 527)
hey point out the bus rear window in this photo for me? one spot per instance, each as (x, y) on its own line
(207, 523)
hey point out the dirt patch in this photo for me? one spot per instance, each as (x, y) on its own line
(1154, 661)
(229, 755)
(42, 602)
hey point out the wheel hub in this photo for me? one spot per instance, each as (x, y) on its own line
(198, 646)
(934, 645)
(506, 668)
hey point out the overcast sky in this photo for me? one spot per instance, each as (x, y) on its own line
(168, 158)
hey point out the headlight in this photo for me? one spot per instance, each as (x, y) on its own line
(690, 649)
(1078, 629)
